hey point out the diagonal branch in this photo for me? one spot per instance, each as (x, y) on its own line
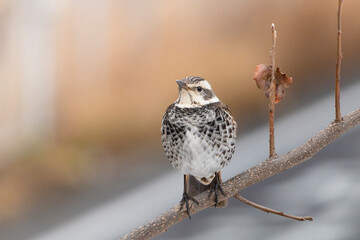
(263, 170)
(269, 210)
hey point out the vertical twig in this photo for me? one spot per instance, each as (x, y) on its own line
(272, 95)
(338, 66)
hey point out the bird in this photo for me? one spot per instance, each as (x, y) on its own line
(198, 134)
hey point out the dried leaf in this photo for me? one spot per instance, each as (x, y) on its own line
(262, 74)
(263, 77)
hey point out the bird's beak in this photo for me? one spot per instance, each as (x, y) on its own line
(182, 84)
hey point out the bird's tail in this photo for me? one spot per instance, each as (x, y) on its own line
(196, 187)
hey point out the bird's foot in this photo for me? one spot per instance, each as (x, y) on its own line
(185, 201)
(216, 189)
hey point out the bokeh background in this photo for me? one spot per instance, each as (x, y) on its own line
(84, 84)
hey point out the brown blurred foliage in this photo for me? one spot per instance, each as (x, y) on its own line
(117, 76)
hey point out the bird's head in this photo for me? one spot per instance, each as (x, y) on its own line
(195, 92)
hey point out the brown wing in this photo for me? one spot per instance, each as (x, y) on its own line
(226, 127)
(172, 134)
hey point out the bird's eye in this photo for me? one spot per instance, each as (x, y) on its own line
(199, 89)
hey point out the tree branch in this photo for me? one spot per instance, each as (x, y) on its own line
(338, 65)
(263, 170)
(269, 210)
(272, 152)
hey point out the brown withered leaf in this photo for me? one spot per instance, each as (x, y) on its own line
(263, 77)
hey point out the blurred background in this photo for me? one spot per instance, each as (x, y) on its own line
(84, 84)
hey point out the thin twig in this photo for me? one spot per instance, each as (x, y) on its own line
(338, 65)
(269, 210)
(249, 177)
(272, 96)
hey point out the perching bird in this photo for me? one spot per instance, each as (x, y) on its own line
(198, 136)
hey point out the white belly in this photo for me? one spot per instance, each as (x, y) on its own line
(198, 156)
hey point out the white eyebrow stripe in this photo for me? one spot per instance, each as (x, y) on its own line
(204, 84)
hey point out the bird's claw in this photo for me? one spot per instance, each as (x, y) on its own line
(185, 201)
(215, 189)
